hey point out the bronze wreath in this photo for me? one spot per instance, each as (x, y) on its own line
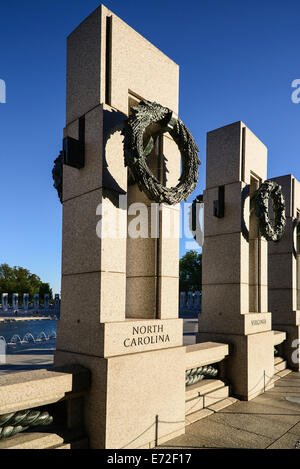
(295, 225)
(147, 122)
(57, 175)
(194, 224)
(270, 190)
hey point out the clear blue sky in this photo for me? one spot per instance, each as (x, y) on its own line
(237, 62)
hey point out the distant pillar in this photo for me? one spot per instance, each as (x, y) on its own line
(2, 350)
(182, 299)
(36, 302)
(235, 276)
(57, 304)
(15, 301)
(190, 300)
(25, 301)
(284, 275)
(197, 301)
(46, 301)
(4, 302)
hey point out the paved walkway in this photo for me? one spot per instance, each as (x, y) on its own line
(24, 318)
(29, 357)
(270, 421)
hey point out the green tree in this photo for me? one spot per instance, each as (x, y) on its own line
(190, 271)
(20, 280)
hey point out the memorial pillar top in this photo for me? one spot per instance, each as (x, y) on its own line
(107, 60)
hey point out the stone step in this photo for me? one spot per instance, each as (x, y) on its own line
(269, 384)
(215, 396)
(280, 367)
(202, 387)
(207, 400)
(42, 440)
(283, 373)
(79, 444)
(278, 360)
(195, 416)
(193, 405)
(222, 404)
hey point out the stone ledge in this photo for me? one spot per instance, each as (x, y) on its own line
(206, 353)
(280, 366)
(44, 440)
(78, 444)
(207, 400)
(283, 373)
(194, 417)
(278, 360)
(40, 387)
(279, 337)
(203, 387)
(213, 408)
(220, 405)
(215, 396)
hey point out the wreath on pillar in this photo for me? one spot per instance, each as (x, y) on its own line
(57, 175)
(271, 230)
(147, 121)
(194, 224)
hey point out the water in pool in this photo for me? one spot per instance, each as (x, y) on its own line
(28, 331)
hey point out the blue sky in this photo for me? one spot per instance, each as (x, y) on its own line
(237, 61)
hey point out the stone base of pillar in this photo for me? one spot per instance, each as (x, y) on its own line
(136, 400)
(249, 367)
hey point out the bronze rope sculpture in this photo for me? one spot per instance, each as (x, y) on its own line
(195, 375)
(16, 422)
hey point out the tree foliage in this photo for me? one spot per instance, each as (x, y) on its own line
(20, 280)
(190, 271)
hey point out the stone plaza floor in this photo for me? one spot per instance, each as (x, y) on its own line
(36, 356)
(270, 421)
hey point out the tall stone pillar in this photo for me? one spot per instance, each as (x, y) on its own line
(15, 301)
(235, 291)
(25, 301)
(4, 300)
(46, 301)
(119, 298)
(36, 302)
(284, 273)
